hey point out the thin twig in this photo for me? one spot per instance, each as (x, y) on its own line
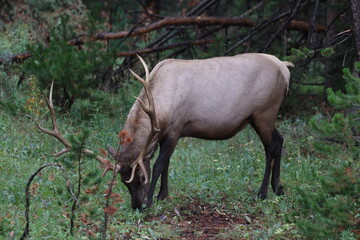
(107, 203)
(284, 26)
(312, 28)
(308, 84)
(76, 200)
(26, 232)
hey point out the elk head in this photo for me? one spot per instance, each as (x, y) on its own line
(134, 157)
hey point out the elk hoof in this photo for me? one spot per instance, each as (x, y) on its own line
(162, 196)
(262, 195)
(280, 191)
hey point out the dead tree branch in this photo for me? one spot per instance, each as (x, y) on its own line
(278, 16)
(283, 27)
(199, 21)
(177, 21)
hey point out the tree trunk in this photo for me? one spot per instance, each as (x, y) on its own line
(330, 80)
(355, 8)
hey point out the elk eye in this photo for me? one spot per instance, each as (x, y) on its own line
(143, 178)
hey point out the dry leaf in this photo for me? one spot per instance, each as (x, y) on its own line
(110, 210)
(115, 197)
(83, 219)
(92, 190)
(91, 233)
(103, 152)
(106, 192)
(33, 188)
(51, 176)
(65, 214)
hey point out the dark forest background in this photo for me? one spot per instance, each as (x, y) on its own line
(319, 37)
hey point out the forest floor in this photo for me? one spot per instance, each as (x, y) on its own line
(213, 186)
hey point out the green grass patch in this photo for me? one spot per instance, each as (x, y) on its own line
(213, 185)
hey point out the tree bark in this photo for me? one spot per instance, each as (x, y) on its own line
(330, 80)
(355, 8)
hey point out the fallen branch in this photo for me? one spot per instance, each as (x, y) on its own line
(199, 21)
(296, 25)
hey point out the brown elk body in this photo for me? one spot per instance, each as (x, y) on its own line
(209, 99)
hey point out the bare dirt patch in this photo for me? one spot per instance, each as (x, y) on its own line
(205, 222)
(201, 221)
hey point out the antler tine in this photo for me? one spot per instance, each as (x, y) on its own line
(150, 111)
(55, 131)
(145, 67)
(108, 166)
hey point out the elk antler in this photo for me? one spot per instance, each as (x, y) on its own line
(107, 165)
(150, 110)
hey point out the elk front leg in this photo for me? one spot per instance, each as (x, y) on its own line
(167, 146)
(164, 188)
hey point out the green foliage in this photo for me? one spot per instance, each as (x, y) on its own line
(47, 5)
(12, 40)
(326, 211)
(330, 209)
(327, 52)
(299, 54)
(342, 131)
(8, 90)
(98, 103)
(74, 71)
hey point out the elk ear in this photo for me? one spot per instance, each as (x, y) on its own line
(112, 151)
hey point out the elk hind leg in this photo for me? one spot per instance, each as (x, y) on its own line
(272, 141)
(275, 176)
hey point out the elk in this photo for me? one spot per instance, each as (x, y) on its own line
(211, 99)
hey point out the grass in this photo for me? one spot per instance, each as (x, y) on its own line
(208, 180)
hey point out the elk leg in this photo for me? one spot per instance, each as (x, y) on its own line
(164, 189)
(265, 130)
(265, 183)
(275, 177)
(167, 146)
